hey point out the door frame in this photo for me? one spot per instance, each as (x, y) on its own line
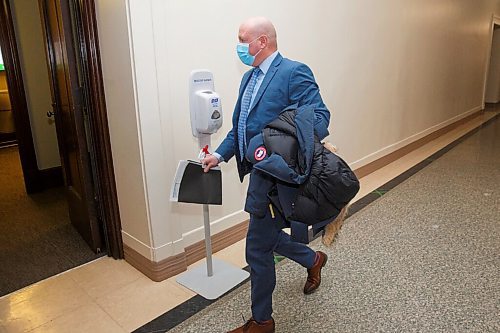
(495, 20)
(104, 170)
(17, 95)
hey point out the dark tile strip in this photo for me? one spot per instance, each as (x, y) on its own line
(182, 312)
(175, 316)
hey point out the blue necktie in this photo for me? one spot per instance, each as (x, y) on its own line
(245, 107)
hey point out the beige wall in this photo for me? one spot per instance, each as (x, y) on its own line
(28, 28)
(391, 72)
(493, 83)
(124, 127)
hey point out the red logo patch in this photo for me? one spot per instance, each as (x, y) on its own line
(260, 153)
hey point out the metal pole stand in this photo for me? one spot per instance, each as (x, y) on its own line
(219, 277)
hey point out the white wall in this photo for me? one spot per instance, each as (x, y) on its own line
(493, 83)
(32, 54)
(390, 71)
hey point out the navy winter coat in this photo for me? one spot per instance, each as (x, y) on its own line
(289, 151)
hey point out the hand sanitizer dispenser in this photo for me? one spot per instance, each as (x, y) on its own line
(206, 119)
(207, 112)
(204, 103)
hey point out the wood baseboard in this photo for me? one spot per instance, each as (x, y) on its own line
(8, 137)
(220, 241)
(156, 271)
(171, 266)
(52, 177)
(387, 159)
(40, 180)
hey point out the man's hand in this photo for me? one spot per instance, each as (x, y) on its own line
(210, 161)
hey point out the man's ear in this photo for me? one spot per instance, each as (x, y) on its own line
(264, 40)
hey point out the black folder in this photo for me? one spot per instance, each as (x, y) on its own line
(193, 185)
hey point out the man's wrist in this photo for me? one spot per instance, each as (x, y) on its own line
(219, 157)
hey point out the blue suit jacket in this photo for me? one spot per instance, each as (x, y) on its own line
(287, 82)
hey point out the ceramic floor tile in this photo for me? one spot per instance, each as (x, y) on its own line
(104, 275)
(141, 301)
(40, 303)
(85, 319)
(234, 254)
(186, 293)
(38, 290)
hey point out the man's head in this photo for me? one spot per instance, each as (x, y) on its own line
(260, 34)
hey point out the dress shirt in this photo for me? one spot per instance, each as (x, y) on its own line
(264, 67)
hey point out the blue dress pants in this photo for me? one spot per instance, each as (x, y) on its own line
(265, 237)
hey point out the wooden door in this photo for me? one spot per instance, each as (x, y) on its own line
(70, 112)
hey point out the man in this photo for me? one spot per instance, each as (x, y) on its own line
(270, 86)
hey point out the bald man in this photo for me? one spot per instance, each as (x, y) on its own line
(271, 85)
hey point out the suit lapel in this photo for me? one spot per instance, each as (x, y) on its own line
(267, 79)
(244, 82)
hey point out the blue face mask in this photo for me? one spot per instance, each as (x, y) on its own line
(243, 50)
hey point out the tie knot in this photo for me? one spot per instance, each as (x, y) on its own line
(256, 72)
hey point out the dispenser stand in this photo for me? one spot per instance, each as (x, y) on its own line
(219, 276)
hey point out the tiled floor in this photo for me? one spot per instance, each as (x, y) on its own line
(111, 296)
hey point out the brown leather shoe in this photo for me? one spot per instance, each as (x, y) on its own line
(314, 273)
(251, 326)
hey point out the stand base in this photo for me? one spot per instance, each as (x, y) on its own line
(225, 278)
